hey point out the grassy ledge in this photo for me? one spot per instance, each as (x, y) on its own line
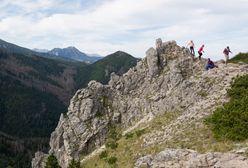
(125, 150)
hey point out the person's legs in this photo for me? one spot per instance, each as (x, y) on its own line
(226, 58)
(192, 51)
(207, 67)
(211, 66)
(200, 54)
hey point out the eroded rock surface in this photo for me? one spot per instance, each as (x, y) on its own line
(183, 158)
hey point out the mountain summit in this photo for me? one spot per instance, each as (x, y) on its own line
(73, 53)
(151, 107)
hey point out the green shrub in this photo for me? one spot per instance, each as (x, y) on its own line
(241, 57)
(111, 144)
(74, 164)
(99, 114)
(231, 121)
(52, 162)
(140, 132)
(112, 160)
(103, 155)
(113, 133)
(129, 135)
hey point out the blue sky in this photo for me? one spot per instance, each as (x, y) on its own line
(105, 26)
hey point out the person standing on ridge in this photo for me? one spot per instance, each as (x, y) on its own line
(226, 53)
(191, 46)
(200, 51)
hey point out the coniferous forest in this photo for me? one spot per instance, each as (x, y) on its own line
(34, 91)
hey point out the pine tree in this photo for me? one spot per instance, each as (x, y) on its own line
(52, 162)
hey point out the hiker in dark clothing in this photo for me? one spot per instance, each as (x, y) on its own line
(210, 64)
(200, 51)
(226, 53)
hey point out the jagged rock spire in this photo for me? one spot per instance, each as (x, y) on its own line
(152, 61)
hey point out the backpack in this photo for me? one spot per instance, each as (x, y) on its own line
(226, 51)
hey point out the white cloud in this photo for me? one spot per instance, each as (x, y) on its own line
(126, 25)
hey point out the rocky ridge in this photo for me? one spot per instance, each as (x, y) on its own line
(168, 79)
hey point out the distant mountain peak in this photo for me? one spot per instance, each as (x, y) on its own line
(40, 50)
(73, 53)
(69, 53)
(71, 47)
(121, 52)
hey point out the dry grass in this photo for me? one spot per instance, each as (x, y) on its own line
(197, 136)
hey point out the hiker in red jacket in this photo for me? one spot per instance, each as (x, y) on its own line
(200, 51)
(226, 53)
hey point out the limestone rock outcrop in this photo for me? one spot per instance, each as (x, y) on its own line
(184, 158)
(152, 61)
(168, 79)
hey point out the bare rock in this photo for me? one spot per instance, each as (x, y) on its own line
(183, 158)
(152, 61)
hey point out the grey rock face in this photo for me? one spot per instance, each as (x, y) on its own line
(166, 80)
(84, 127)
(39, 160)
(183, 158)
(152, 61)
(159, 43)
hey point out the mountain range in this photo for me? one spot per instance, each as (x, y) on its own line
(35, 89)
(70, 53)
